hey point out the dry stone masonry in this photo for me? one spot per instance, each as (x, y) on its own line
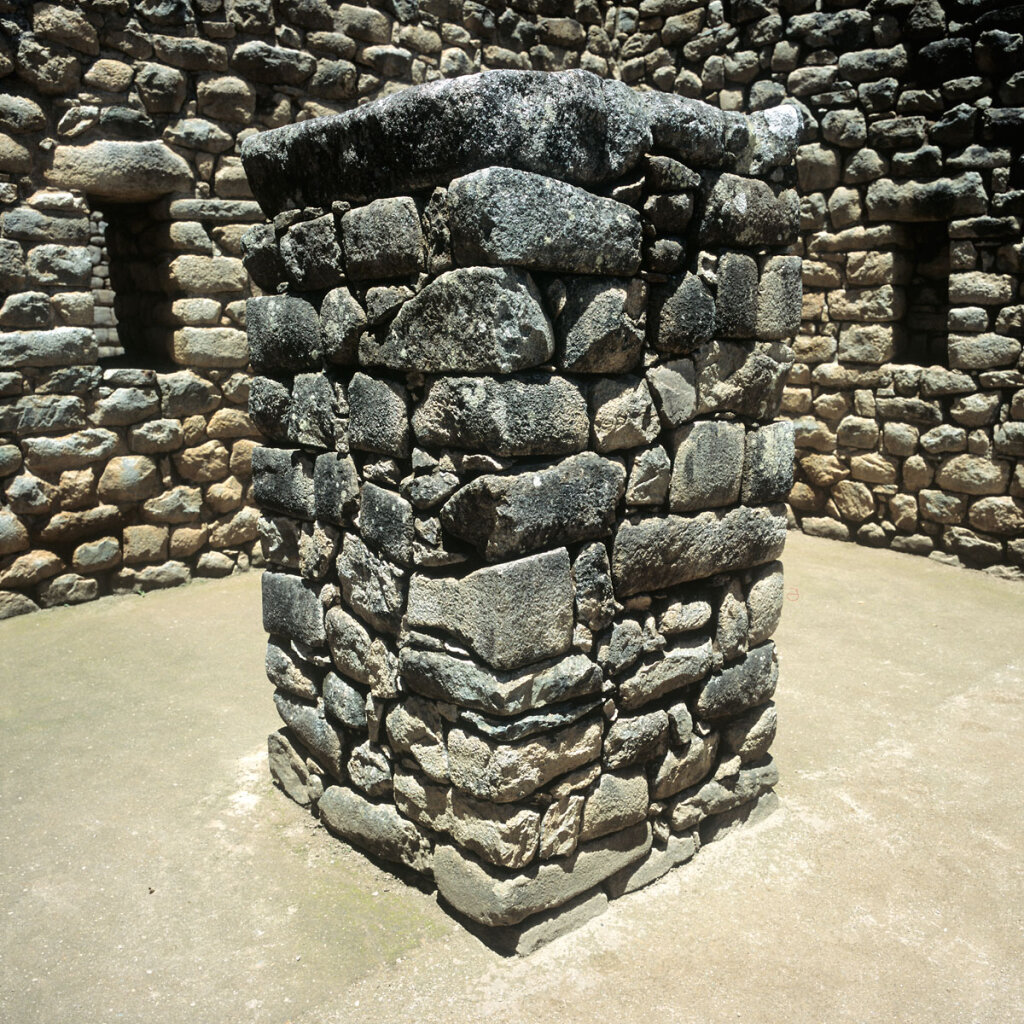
(908, 390)
(519, 357)
(123, 201)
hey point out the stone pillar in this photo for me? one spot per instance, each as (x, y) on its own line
(521, 349)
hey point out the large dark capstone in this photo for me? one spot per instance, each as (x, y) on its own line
(571, 125)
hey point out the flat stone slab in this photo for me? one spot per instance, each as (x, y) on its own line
(494, 897)
(571, 125)
(486, 609)
(463, 682)
(660, 551)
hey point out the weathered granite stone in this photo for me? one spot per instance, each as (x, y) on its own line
(531, 414)
(687, 661)
(737, 307)
(746, 212)
(660, 860)
(504, 835)
(474, 319)
(59, 347)
(505, 516)
(485, 609)
(635, 739)
(493, 897)
(125, 172)
(284, 333)
(311, 253)
(682, 315)
(379, 418)
(749, 735)
(377, 828)
(335, 488)
(288, 768)
(678, 771)
(653, 553)
(504, 216)
(623, 413)
(291, 608)
(288, 674)
(619, 800)
(764, 602)
(746, 378)
(369, 769)
(383, 239)
(741, 686)
(372, 587)
(386, 523)
(595, 597)
(467, 684)
(349, 643)
(941, 199)
(343, 321)
(503, 772)
(707, 465)
(768, 464)
(601, 327)
(649, 477)
(283, 480)
(572, 125)
(344, 702)
(779, 298)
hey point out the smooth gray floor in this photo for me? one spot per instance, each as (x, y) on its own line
(150, 873)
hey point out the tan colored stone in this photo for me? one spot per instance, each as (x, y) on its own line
(230, 423)
(109, 75)
(30, 568)
(145, 544)
(204, 463)
(129, 478)
(854, 500)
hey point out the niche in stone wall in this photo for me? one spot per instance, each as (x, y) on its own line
(140, 310)
(924, 339)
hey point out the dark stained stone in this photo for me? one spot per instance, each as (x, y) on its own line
(653, 553)
(507, 516)
(503, 216)
(475, 319)
(535, 414)
(571, 125)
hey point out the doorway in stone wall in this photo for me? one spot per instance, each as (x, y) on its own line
(133, 310)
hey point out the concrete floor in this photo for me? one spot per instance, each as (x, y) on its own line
(150, 873)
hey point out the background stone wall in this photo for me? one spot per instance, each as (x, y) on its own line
(123, 202)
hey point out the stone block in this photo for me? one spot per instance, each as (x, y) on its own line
(507, 216)
(601, 327)
(468, 608)
(707, 466)
(284, 333)
(383, 239)
(291, 608)
(507, 516)
(448, 327)
(658, 552)
(492, 897)
(527, 415)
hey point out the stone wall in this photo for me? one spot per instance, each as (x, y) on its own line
(522, 497)
(132, 115)
(908, 391)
